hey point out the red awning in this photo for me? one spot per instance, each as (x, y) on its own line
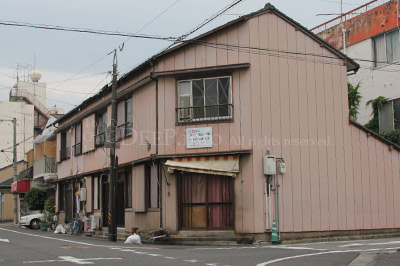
(21, 186)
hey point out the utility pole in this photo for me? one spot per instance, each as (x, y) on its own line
(112, 223)
(15, 168)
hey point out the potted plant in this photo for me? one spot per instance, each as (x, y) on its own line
(44, 225)
(49, 211)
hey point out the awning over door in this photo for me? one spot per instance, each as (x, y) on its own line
(214, 165)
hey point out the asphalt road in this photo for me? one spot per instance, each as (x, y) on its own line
(22, 246)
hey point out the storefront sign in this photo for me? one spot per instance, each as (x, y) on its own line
(199, 138)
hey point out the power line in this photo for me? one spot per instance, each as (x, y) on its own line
(83, 30)
(205, 22)
(91, 92)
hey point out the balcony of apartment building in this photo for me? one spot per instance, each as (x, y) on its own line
(45, 168)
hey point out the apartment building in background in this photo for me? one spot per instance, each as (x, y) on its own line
(370, 35)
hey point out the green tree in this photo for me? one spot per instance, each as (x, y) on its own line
(354, 98)
(35, 199)
(376, 104)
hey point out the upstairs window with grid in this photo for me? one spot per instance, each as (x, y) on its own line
(208, 99)
(387, 48)
(101, 126)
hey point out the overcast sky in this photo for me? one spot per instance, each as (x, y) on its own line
(78, 62)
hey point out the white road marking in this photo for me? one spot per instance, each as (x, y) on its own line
(140, 252)
(321, 253)
(193, 260)
(351, 245)
(130, 250)
(371, 244)
(73, 260)
(170, 258)
(212, 264)
(4, 240)
(75, 242)
(154, 255)
(297, 248)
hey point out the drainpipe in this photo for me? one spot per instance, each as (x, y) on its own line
(156, 140)
(344, 40)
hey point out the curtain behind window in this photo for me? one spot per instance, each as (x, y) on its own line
(392, 46)
(380, 50)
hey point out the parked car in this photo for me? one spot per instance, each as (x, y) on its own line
(31, 220)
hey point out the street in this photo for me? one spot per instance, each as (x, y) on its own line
(22, 246)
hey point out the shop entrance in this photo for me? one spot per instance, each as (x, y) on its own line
(205, 201)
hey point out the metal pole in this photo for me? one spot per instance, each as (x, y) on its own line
(15, 168)
(112, 225)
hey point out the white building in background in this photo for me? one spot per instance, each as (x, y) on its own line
(370, 35)
(27, 103)
(24, 114)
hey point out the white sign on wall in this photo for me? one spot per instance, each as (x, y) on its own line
(199, 138)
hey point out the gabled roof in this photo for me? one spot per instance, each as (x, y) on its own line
(268, 8)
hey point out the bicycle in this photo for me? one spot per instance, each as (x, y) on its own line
(76, 226)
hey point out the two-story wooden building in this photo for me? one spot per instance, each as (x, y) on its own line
(196, 121)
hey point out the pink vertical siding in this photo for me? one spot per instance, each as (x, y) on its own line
(298, 130)
(382, 217)
(396, 187)
(309, 154)
(373, 183)
(287, 183)
(232, 39)
(348, 157)
(358, 197)
(388, 186)
(366, 190)
(339, 144)
(256, 115)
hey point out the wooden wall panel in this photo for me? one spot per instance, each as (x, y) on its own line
(339, 142)
(366, 190)
(287, 184)
(256, 118)
(222, 52)
(374, 179)
(190, 56)
(387, 155)
(232, 39)
(381, 185)
(211, 52)
(322, 134)
(309, 154)
(299, 130)
(358, 197)
(331, 150)
(396, 187)
(348, 156)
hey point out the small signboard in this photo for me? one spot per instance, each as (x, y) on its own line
(199, 138)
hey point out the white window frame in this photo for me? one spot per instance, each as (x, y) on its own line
(381, 64)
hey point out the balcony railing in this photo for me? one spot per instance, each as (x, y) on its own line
(65, 154)
(206, 113)
(77, 148)
(100, 139)
(45, 167)
(124, 130)
(349, 15)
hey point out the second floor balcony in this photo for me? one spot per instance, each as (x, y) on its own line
(45, 168)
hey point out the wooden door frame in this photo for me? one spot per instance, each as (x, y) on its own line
(180, 175)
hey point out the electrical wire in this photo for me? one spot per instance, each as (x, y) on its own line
(205, 22)
(83, 30)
